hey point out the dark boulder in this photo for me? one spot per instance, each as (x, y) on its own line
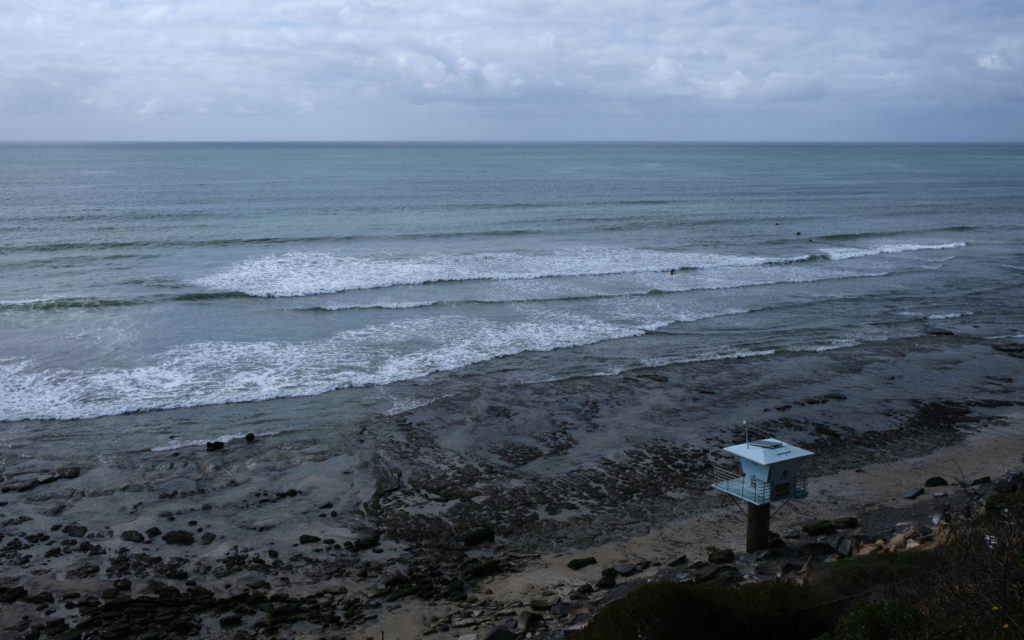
(721, 556)
(820, 528)
(578, 563)
(501, 633)
(846, 522)
(816, 550)
(74, 530)
(179, 537)
(478, 536)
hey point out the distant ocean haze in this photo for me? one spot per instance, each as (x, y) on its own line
(144, 277)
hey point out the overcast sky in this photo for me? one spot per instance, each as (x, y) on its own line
(511, 70)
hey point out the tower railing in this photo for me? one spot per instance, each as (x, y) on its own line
(755, 491)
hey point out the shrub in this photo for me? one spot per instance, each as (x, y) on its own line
(895, 621)
(669, 610)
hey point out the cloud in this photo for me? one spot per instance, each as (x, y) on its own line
(992, 61)
(496, 60)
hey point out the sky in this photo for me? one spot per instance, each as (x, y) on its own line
(517, 70)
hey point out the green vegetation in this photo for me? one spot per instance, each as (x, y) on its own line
(971, 586)
(669, 610)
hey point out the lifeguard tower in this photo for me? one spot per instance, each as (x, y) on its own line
(771, 473)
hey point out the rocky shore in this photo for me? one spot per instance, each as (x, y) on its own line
(503, 513)
(193, 574)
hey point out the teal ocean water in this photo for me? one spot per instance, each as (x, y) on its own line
(205, 285)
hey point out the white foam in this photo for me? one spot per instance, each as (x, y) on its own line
(935, 316)
(853, 252)
(221, 372)
(710, 357)
(304, 273)
(832, 346)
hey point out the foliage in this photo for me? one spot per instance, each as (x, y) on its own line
(971, 586)
(896, 621)
(669, 610)
(873, 577)
(978, 588)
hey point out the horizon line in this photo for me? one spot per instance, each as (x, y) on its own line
(483, 141)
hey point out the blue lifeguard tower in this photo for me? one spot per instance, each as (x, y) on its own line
(771, 473)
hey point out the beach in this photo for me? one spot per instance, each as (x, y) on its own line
(461, 515)
(363, 390)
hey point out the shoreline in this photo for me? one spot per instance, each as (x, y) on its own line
(461, 515)
(502, 596)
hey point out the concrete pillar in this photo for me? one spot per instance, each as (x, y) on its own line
(758, 517)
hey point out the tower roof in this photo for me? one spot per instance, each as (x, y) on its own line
(768, 451)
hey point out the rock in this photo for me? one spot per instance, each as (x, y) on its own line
(913, 493)
(721, 575)
(578, 563)
(308, 539)
(981, 480)
(868, 549)
(935, 481)
(123, 584)
(819, 528)
(1010, 483)
(528, 621)
(208, 538)
(230, 621)
(64, 473)
(153, 532)
(478, 536)
(721, 556)
(538, 604)
(179, 537)
(11, 594)
(681, 560)
(214, 446)
(365, 541)
(132, 536)
(250, 437)
(815, 550)
(625, 569)
(912, 544)
(482, 567)
(846, 547)
(501, 633)
(74, 530)
(607, 579)
(846, 522)
(899, 540)
(792, 533)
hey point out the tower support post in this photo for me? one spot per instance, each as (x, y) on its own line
(758, 517)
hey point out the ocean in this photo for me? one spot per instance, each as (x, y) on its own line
(159, 296)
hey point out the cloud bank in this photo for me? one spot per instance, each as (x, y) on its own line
(502, 70)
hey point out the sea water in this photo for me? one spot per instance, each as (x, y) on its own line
(161, 295)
